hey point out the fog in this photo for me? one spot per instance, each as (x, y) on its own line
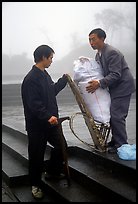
(65, 27)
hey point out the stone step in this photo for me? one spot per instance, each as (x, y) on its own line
(115, 178)
(23, 194)
(17, 144)
(16, 187)
(16, 176)
(13, 171)
(75, 192)
(115, 182)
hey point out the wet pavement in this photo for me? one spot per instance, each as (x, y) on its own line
(7, 195)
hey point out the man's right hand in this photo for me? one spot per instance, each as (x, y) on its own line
(93, 85)
(53, 120)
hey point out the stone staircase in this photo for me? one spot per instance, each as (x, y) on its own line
(95, 176)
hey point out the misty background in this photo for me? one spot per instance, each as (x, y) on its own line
(65, 27)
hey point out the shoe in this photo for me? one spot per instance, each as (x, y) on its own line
(110, 144)
(54, 176)
(37, 192)
(112, 150)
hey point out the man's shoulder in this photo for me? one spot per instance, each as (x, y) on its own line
(32, 73)
(34, 76)
(109, 49)
(30, 76)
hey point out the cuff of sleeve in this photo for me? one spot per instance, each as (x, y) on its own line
(103, 83)
(99, 83)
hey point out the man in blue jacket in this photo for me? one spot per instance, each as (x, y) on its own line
(119, 80)
(41, 117)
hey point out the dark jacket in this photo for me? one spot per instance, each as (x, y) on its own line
(117, 75)
(39, 98)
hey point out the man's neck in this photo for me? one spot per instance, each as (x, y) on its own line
(40, 66)
(100, 48)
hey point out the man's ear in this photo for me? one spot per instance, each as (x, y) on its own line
(44, 58)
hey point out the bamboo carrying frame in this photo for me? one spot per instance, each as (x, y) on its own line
(98, 133)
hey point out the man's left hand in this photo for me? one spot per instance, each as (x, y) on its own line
(93, 85)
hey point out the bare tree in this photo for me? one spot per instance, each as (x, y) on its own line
(113, 20)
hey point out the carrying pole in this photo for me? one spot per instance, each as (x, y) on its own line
(64, 149)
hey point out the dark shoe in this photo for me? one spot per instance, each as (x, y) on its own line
(112, 150)
(54, 176)
(110, 144)
(37, 192)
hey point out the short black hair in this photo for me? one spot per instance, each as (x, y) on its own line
(42, 51)
(100, 33)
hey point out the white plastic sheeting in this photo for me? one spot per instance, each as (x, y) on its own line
(85, 70)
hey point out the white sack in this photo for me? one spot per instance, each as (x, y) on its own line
(85, 70)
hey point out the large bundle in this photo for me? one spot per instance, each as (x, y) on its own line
(85, 70)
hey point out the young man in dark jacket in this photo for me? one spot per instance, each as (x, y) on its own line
(119, 80)
(41, 117)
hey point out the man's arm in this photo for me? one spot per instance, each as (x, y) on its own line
(60, 84)
(114, 61)
(32, 92)
(114, 67)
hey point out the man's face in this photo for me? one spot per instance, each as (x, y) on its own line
(95, 42)
(48, 61)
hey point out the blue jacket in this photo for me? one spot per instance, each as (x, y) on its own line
(38, 93)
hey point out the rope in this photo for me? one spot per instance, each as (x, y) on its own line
(101, 126)
(71, 127)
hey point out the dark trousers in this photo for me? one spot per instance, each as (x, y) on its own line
(37, 142)
(119, 111)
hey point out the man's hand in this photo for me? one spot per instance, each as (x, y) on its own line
(53, 120)
(93, 85)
